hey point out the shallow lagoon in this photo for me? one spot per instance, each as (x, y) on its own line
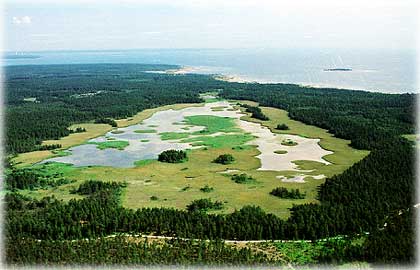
(148, 145)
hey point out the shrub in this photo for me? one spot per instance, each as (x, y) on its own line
(224, 159)
(284, 193)
(94, 186)
(106, 121)
(204, 205)
(288, 142)
(78, 130)
(206, 189)
(282, 127)
(185, 188)
(242, 178)
(172, 156)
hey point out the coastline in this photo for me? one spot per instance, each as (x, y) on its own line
(239, 79)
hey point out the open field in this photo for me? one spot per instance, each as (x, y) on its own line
(176, 185)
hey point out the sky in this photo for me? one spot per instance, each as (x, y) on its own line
(41, 25)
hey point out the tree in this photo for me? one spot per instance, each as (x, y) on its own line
(173, 156)
(282, 127)
(224, 159)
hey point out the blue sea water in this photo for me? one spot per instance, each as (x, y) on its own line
(388, 71)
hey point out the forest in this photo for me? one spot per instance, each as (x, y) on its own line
(66, 94)
(374, 198)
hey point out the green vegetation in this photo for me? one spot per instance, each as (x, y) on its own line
(213, 97)
(309, 165)
(361, 194)
(125, 89)
(92, 186)
(211, 100)
(173, 156)
(280, 152)
(34, 178)
(174, 135)
(61, 153)
(120, 145)
(145, 131)
(204, 205)
(242, 179)
(284, 193)
(78, 130)
(336, 251)
(218, 108)
(206, 189)
(255, 112)
(352, 186)
(154, 198)
(242, 147)
(212, 124)
(221, 141)
(289, 142)
(144, 140)
(349, 195)
(124, 250)
(47, 147)
(343, 157)
(185, 188)
(336, 110)
(224, 159)
(143, 162)
(412, 137)
(202, 171)
(282, 127)
(117, 131)
(108, 121)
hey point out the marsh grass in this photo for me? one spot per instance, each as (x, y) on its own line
(120, 145)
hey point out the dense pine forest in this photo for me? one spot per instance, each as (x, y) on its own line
(43, 101)
(372, 199)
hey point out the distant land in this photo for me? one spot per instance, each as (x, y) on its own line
(393, 73)
(337, 69)
(21, 56)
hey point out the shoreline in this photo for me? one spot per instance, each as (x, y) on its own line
(232, 78)
(239, 79)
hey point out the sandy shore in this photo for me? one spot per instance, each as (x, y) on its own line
(230, 78)
(183, 70)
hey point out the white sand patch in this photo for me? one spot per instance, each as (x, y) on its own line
(268, 142)
(207, 96)
(318, 177)
(229, 171)
(297, 179)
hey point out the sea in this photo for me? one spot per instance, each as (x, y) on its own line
(387, 71)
